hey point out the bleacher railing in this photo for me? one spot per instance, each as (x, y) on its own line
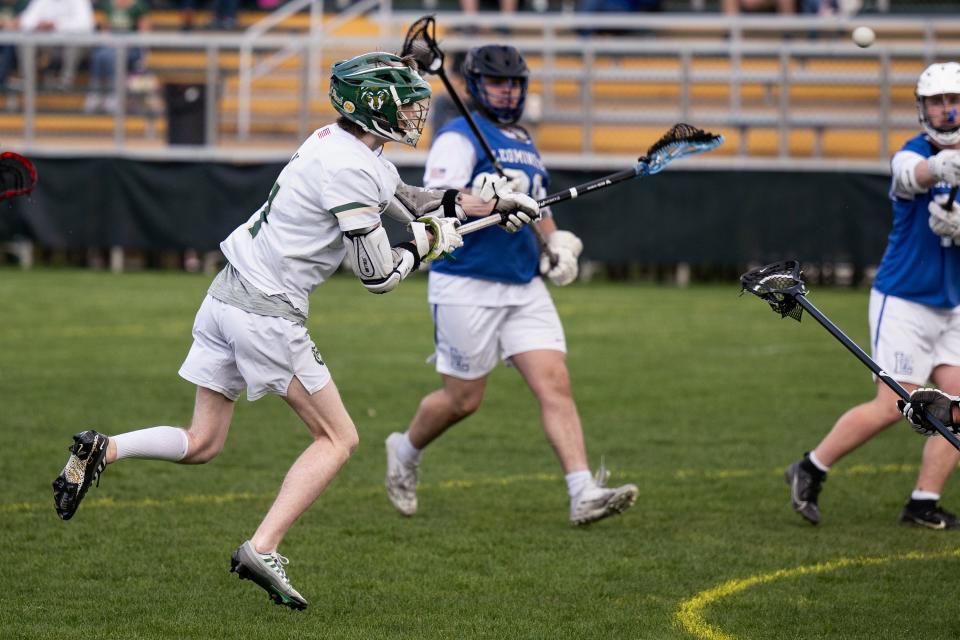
(776, 79)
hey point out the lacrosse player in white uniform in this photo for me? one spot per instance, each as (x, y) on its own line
(914, 306)
(490, 302)
(250, 332)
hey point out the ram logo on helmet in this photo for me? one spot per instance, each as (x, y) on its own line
(374, 98)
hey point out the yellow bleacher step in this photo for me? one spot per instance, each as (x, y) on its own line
(82, 124)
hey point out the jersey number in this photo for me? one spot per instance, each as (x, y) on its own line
(254, 229)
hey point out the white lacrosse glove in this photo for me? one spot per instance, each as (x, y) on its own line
(566, 247)
(944, 222)
(945, 166)
(446, 236)
(515, 209)
(517, 180)
(936, 403)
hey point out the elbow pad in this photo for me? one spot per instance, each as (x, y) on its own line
(905, 180)
(379, 266)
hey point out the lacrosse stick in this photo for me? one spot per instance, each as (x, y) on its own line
(953, 196)
(421, 44)
(17, 175)
(680, 141)
(781, 286)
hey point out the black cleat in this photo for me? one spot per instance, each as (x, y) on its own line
(927, 513)
(804, 490)
(266, 570)
(88, 458)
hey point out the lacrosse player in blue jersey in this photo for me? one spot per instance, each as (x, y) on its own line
(490, 302)
(914, 306)
(250, 332)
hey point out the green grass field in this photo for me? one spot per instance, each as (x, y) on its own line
(696, 395)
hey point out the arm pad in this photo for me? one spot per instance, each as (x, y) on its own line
(905, 175)
(409, 203)
(379, 266)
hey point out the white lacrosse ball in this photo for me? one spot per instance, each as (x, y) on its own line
(863, 37)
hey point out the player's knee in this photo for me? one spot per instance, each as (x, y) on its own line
(885, 410)
(345, 439)
(467, 403)
(555, 385)
(202, 454)
(351, 441)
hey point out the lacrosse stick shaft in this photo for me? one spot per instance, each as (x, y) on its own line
(559, 196)
(487, 150)
(462, 108)
(953, 196)
(873, 366)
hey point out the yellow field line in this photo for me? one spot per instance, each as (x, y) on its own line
(489, 481)
(690, 613)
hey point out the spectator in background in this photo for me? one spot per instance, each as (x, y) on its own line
(9, 10)
(619, 6)
(831, 7)
(616, 6)
(188, 11)
(119, 16)
(473, 6)
(59, 16)
(224, 15)
(735, 7)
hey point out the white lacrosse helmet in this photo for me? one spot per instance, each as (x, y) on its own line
(936, 80)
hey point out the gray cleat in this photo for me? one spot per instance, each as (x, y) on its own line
(597, 502)
(804, 490)
(401, 479)
(266, 569)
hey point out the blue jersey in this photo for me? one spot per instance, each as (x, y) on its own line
(493, 253)
(919, 265)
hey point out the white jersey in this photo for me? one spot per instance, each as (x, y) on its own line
(334, 183)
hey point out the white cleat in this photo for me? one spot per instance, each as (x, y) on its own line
(401, 479)
(597, 502)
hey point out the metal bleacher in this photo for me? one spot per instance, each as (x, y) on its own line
(787, 92)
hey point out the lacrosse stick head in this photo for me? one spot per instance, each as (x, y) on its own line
(778, 285)
(681, 140)
(421, 44)
(17, 175)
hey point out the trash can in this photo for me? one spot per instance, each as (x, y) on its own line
(186, 112)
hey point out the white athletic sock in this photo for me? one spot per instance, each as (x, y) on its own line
(816, 462)
(408, 453)
(156, 443)
(577, 481)
(924, 495)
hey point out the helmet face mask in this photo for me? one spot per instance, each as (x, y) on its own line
(938, 102)
(381, 94)
(497, 78)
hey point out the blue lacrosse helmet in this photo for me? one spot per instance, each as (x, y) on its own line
(500, 62)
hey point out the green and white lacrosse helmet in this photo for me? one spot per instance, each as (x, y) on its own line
(381, 94)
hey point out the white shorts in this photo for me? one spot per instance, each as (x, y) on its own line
(910, 339)
(235, 350)
(470, 339)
